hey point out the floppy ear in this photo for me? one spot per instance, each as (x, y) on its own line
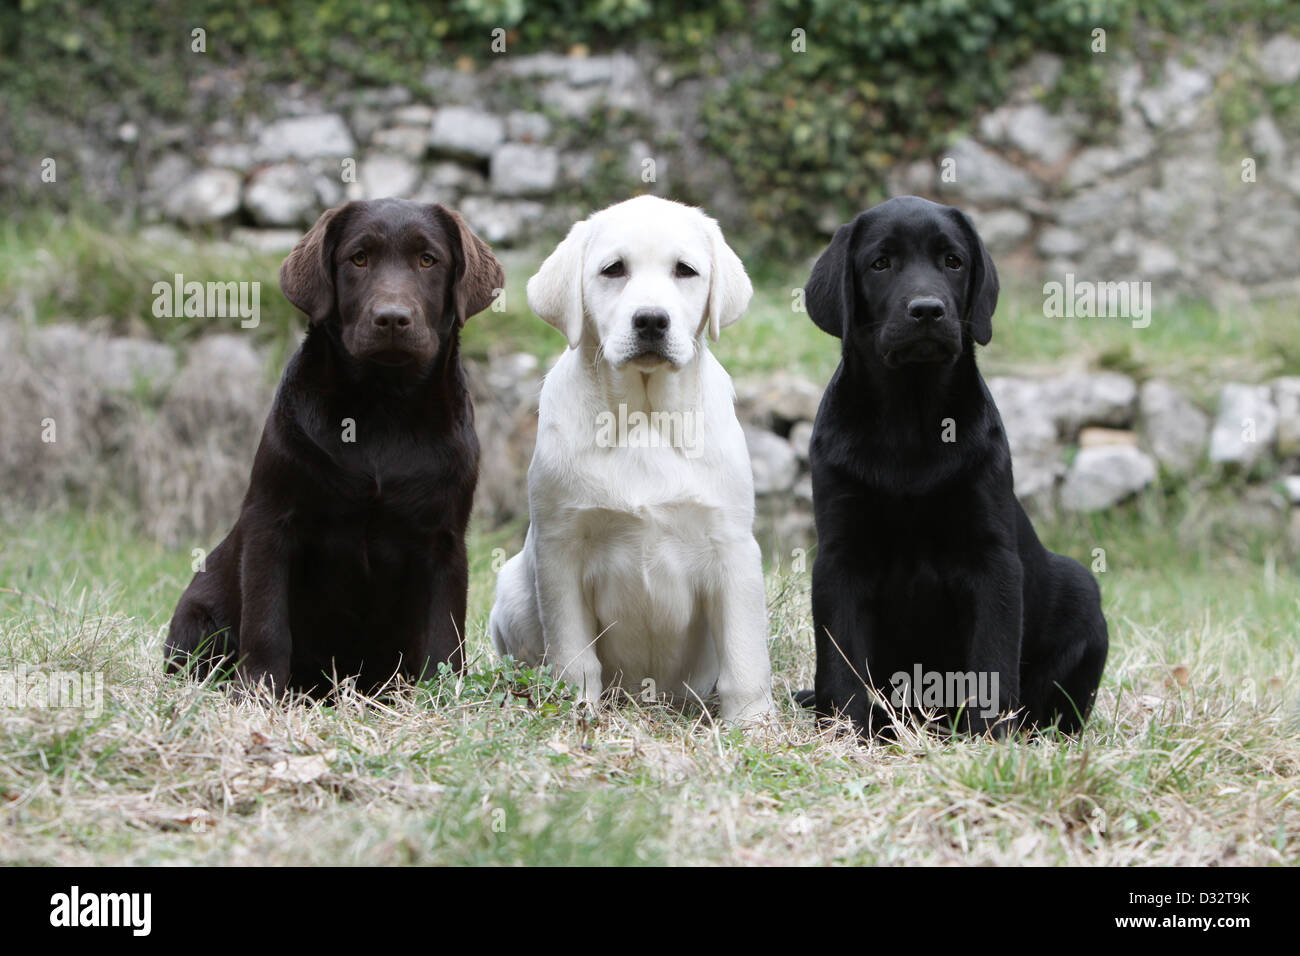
(555, 293)
(830, 294)
(982, 297)
(478, 276)
(307, 274)
(730, 289)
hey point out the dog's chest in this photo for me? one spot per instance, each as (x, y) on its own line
(643, 566)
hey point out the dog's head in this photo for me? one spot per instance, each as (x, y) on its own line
(907, 282)
(643, 279)
(394, 275)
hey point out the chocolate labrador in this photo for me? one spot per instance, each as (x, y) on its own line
(348, 558)
(930, 586)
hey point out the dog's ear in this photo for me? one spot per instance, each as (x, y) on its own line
(555, 292)
(730, 289)
(307, 274)
(478, 277)
(830, 295)
(982, 296)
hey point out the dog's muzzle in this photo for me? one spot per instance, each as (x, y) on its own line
(926, 334)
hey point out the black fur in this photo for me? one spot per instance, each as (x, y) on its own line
(925, 557)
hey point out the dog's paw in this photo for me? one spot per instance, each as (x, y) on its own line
(751, 711)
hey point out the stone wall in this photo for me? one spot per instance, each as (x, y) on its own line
(171, 434)
(526, 144)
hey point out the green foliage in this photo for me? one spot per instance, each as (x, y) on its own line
(808, 135)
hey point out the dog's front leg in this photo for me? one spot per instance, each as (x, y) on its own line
(439, 635)
(265, 644)
(995, 646)
(737, 617)
(568, 623)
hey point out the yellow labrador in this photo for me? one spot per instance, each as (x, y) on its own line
(640, 566)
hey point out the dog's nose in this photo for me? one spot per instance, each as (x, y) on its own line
(392, 317)
(926, 307)
(650, 323)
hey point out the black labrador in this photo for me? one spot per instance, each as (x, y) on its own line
(348, 558)
(930, 586)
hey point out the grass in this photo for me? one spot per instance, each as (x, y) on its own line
(1192, 756)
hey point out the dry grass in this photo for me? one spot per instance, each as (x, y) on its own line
(1192, 757)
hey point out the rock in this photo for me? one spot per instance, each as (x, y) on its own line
(103, 363)
(1156, 260)
(209, 195)
(1105, 475)
(527, 127)
(266, 240)
(415, 115)
(1096, 204)
(1055, 241)
(1245, 427)
(466, 131)
(588, 70)
(236, 156)
(1286, 396)
(165, 177)
(505, 221)
(1032, 436)
(548, 65)
(514, 373)
(456, 177)
(1094, 437)
(305, 137)
(775, 464)
(1175, 430)
(778, 401)
(1001, 229)
(384, 174)
(522, 169)
(453, 85)
(1266, 140)
(801, 439)
(1098, 398)
(408, 141)
(569, 101)
(1176, 101)
(914, 179)
(282, 195)
(983, 176)
(367, 121)
(1030, 128)
(1279, 59)
(1291, 487)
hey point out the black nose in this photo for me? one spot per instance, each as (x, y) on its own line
(394, 317)
(650, 323)
(925, 307)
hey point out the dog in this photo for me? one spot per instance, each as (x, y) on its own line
(348, 558)
(928, 570)
(640, 568)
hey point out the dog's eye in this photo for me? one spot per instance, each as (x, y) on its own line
(614, 270)
(952, 262)
(428, 261)
(881, 264)
(683, 271)
(359, 260)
